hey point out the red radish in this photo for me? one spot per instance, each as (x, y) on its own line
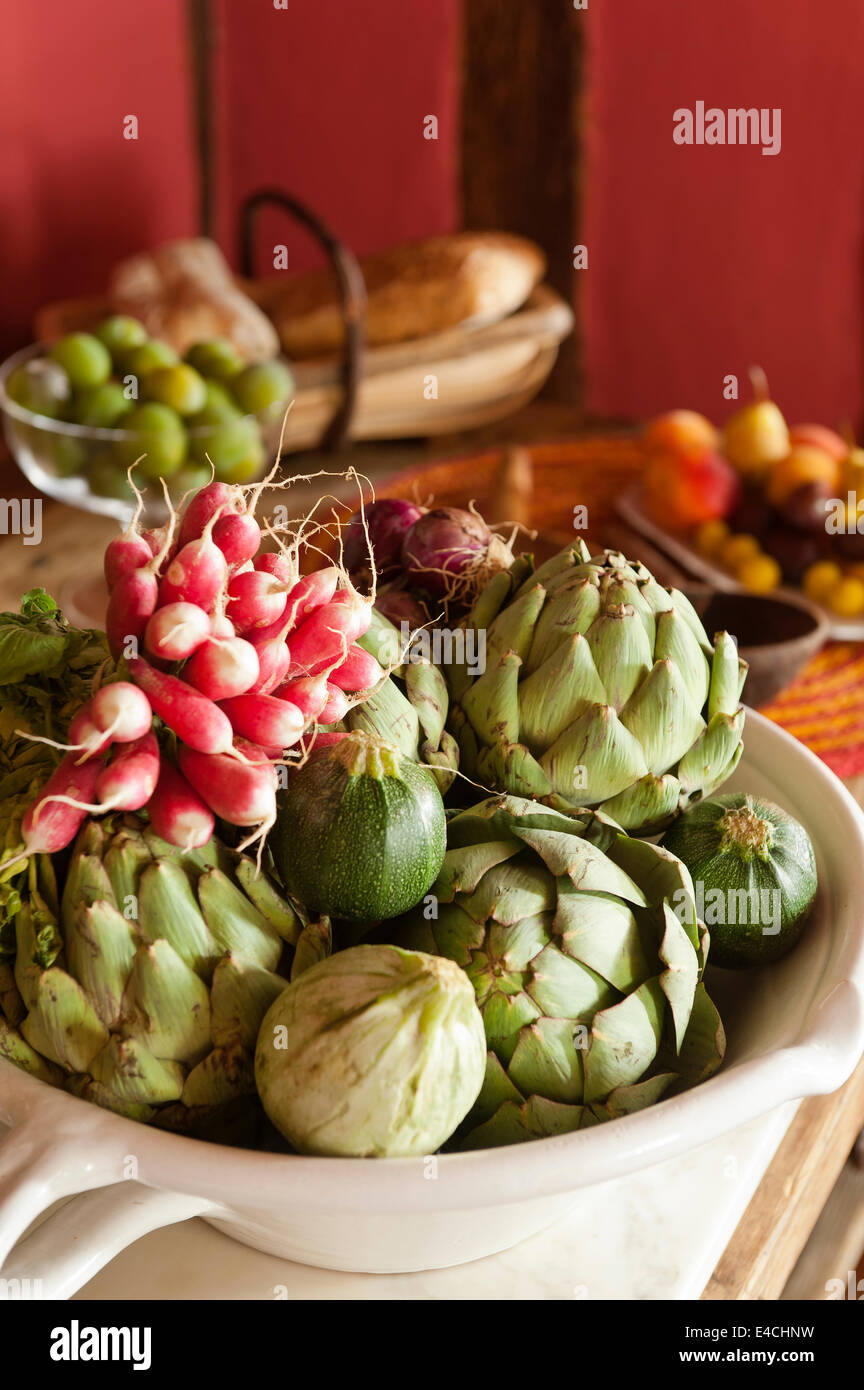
(240, 792)
(121, 712)
(265, 720)
(154, 539)
(208, 502)
(176, 631)
(359, 671)
(124, 554)
(337, 705)
(129, 780)
(192, 717)
(323, 641)
(271, 562)
(132, 601)
(274, 659)
(220, 669)
(324, 738)
(238, 536)
(309, 694)
(85, 736)
(255, 600)
(310, 593)
(220, 626)
(49, 825)
(195, 575)
(177, 813)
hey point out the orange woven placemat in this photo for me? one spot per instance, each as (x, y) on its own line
(824, 706)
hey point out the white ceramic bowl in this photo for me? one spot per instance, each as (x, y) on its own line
(794, 1029)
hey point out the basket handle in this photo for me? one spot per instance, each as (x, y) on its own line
(352, 295)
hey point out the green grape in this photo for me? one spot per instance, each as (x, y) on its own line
(85, 360)
(218, 408)
(120, 332)
(146, 357)
(226, 445)
(191, 478)
(64, 455)
(216, 357)
(39, 385)
(180, 387)
(247, 469)
(107, 480)
(263, 385)
(102, 406)
(156, 431)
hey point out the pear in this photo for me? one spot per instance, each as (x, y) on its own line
(756, 436)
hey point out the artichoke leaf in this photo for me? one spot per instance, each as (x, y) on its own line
(727, 677)
(626, 1100)
(495, 1090)
(662, 717)
(601, 931)
(492, 702)
(514, 767)
(621, 651)
(536, 1118)
(624, 1041)
(677, 643)
(546, 1061)
(595, 758)
(572, 609)
(678, 981)
(515, 891)
(466, 866)
(100, 948)
(586, 866)
(167, 911)
(235, 923)
(647, 805)
(513, 629)
(563, 988)
(166, 1007)
(62, 1024)
(240, 995)
(559, 691)
(131, 1074)
(315, 944)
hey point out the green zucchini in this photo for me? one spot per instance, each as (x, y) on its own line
(360, 832)
(754, 874)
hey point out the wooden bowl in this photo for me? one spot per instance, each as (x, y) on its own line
(777, 633)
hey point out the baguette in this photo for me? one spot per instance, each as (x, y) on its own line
(413, 290)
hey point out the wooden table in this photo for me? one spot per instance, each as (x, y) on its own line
(809, 1184)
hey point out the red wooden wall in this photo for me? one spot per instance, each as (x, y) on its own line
(706, 259)
(701, 260)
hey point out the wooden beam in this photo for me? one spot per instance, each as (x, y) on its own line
(784, 1209)
(520, 143)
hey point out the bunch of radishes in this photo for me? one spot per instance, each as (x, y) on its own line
(236, 653)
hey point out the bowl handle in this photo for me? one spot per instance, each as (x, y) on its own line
(72, 1243)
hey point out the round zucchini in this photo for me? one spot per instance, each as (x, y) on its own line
(360, 832)
(754, 874)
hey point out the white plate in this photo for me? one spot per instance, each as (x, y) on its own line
(794, 1029)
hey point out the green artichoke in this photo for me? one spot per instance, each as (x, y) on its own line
(376, 1051)
(601, 689)
(410, 708)
(586, 956)
(144, 993)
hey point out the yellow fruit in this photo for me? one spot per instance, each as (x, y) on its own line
(710, 537)
(847, 600)
(804, 464)
(756, 435)
(737, 549)
(759, 573)
(820, 579)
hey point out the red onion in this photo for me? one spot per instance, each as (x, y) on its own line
(440, 545)
(398, 606)
(388, 521)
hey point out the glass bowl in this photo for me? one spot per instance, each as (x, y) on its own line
(84, 466)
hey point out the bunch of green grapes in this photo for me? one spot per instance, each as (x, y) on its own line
(181, 416)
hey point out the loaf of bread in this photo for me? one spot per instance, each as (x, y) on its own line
(413, 290)
(184, 292)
